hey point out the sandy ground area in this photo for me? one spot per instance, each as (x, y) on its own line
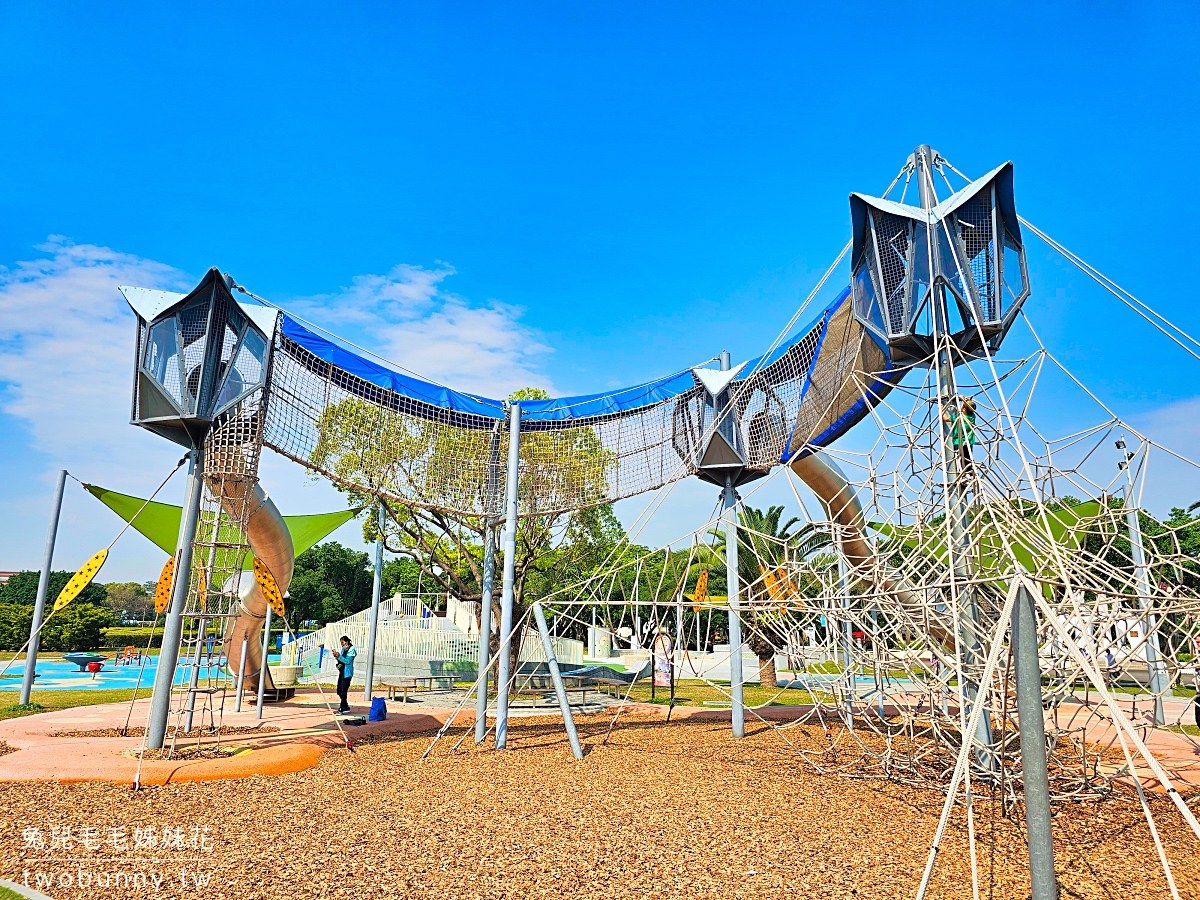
(675, 811)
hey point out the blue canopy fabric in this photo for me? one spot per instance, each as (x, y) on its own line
(546, 412)
(563, 409)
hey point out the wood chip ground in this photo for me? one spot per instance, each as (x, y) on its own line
(676, 811)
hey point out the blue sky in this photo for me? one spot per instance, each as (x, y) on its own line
(576, 196)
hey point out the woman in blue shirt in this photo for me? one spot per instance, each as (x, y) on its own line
(345, 667)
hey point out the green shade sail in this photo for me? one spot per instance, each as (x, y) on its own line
(160, 521)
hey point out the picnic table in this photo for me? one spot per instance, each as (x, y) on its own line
(592, 683)
(583, 689)
(420, 683)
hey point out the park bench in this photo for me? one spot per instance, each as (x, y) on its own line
(416, 683)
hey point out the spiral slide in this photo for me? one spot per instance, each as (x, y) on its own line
(271, 542)
(273, 538)
(837, 496)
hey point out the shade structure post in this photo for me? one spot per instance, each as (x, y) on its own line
(1154, 664)
(39, 605)
(1033, 747)
(262, 667)
(373, 618)
(556, 677)
(735, 617)
(503, 664)
(241, 679)
(485, 629)
(957, 477)
(168, 656)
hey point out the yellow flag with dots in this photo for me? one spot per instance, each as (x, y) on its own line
(162, 591)
(266, 584)
(81, 579)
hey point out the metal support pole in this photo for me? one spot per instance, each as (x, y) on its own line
(262, 667)
(556, 676)
(680, 637)
(735, 621)
(39, 605)
(1154, 664)
(1033, 748)
(373, 619)
(241, 679)
(485, 629)
(504, 664)
(168, 656)
(959, 515)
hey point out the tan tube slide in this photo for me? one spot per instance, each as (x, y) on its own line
(841, 504)
(271, 542)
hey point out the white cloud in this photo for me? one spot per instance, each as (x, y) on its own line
(1171, 481)
(66, 355)
(408, 318)
(66, 363)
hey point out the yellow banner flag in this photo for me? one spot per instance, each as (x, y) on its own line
(80, 580)
(700, 595)
(266, 584)
(202, 590)
(162, 591)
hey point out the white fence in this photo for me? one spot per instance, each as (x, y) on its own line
(409, 644)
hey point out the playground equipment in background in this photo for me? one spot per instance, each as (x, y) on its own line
(83, 660)
(934, 289)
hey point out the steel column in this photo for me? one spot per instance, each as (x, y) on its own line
(373, 619)
(39, 606)
(241, 679)
(1033, 747)
(959, 516)
(735, 622)
(262, 666)
(1154, 665)
(504, 663)
(556, 676)
(485, 629)
(168, 656)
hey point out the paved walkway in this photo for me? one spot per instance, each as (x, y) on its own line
(306, 731)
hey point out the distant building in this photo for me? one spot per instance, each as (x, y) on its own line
(4, 576)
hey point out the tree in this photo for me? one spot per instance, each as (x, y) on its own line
(764, 546)
(371, 451)
(401, 576)
(129, 600)
(330, 582)
(22, 588)
(79, 626)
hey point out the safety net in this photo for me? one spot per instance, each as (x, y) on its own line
(371, 428)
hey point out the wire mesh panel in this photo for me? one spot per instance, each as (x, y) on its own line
(418, 444)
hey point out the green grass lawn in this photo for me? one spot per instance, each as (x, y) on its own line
(48, 701)
(6, 894)
(698, 693)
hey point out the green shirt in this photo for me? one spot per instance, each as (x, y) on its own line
(962, 428)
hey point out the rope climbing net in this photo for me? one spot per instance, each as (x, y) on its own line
(377, 431)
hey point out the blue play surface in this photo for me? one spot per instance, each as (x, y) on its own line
(55, 674)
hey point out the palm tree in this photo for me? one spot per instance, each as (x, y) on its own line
(763, 545)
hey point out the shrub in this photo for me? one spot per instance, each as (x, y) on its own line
(80, 626)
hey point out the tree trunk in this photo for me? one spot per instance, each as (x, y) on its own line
(766, 671)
